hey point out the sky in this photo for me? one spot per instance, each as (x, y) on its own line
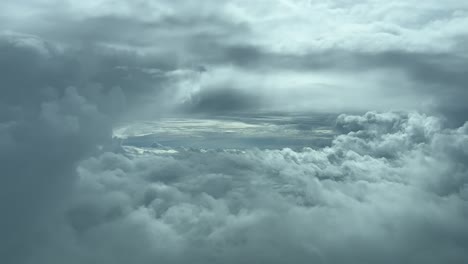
(286, 131)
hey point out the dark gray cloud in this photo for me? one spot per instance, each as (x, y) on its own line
(220, 100)
(44, 133)
(442, 77)
(57, 107)
(39, 150)
(135, 32)
(33, 69)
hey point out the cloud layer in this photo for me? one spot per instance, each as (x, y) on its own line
(391, 188)
(290, 55)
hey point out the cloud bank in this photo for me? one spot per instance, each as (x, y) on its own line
(391, 187)
(290, 55)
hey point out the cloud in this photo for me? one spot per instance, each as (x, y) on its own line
(53, 114)
(391, 188)
(39, 151)
(289, 56)
(219, 100)
(291, 26)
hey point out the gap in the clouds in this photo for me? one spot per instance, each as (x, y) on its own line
(235, 131)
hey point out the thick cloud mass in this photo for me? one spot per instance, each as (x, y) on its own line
(391, 187)
(43, 133)
(289, 55)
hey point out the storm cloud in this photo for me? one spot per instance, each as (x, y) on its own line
(249, 167)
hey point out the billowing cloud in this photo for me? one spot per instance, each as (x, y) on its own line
(385, 186)
(391, 188)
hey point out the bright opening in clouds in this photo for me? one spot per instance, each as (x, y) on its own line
(286, 131)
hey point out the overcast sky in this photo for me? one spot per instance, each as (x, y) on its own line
(272, 55)
(287, 131)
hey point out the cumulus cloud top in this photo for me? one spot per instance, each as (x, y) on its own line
(391, 188)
